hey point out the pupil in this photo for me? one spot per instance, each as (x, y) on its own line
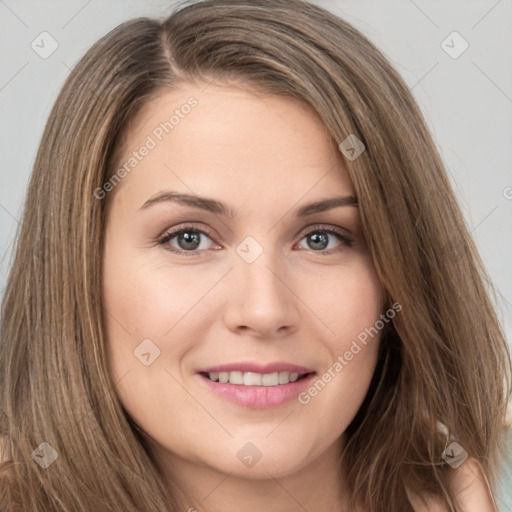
(319, 238)
(186, 238)
(190, 240)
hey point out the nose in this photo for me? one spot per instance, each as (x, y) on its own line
(261, 300)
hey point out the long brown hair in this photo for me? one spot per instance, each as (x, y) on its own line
(443, 361)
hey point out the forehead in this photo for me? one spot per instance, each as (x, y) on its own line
(230, 140)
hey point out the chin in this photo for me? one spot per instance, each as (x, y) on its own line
(249, 461)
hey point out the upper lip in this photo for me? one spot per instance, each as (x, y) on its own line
(246, 366)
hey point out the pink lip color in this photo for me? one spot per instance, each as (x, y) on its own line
(259, 397)
(257, 368)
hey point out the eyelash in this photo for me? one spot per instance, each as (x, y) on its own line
(344, 239)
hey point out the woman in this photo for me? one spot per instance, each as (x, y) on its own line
(242, 281)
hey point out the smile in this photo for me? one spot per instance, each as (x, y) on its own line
(255, 379)
(256, 390)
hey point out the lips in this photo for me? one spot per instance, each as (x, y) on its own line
(255, 385)
(253, 374)
(257, 368)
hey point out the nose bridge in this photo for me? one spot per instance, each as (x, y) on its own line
(256, 269)
(262, 299)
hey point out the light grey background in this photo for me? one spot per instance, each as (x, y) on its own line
(467, 101)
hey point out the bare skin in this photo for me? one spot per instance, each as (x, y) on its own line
(264, 157)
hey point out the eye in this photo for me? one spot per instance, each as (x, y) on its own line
(189, 240)
(317, 238)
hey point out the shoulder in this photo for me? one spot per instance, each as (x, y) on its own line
(470, 488)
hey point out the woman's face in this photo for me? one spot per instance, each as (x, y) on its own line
(242, 274)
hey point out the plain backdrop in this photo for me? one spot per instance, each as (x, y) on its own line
(466, 96)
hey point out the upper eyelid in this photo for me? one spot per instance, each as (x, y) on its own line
(207, 231)
(331, 229)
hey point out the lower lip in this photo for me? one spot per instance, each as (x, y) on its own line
(259, 397)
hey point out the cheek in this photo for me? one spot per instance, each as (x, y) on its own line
(352, 302)
(148, 301)
(145, 308)
(144, 301)
(348, 301)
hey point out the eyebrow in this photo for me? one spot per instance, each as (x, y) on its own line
(217, 207)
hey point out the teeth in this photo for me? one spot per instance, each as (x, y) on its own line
(251, 379)
(270, 379)
(254, 379)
